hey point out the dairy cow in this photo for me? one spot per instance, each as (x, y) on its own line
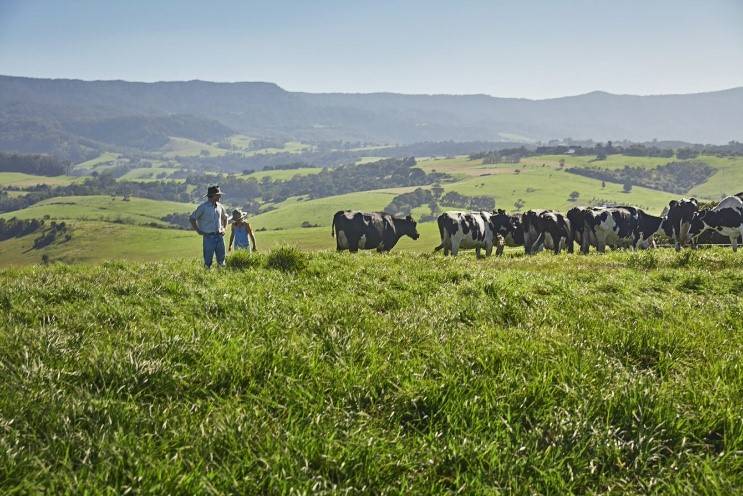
(677, 221)
(725, 218)
(508, 230)
(581, 226)
(366, 231)
(616, 227)
(546, 228)
(466, 230)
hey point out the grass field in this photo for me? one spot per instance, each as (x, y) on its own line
(404, 374)
(103, 159)
(292, 212)
(21, 180)
(136, 210)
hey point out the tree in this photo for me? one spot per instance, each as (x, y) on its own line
(627, 187)
(437, 191)
(574, 196)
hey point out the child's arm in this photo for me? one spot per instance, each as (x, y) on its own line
(232, 238)
(252, 237)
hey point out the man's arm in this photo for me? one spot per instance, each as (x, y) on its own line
(195, 215)
(224, 220)
(252, 237)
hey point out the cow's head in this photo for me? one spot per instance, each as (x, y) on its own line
(501, 223)
(698, 224)
(408, 227)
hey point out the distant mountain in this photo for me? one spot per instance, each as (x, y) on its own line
(38, 115)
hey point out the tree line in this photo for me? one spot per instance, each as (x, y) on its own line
(17, 228)
(38, 164)
(435, 198)
(674, 177)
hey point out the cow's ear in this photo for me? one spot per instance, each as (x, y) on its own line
(408, 217)
(694, 201)
(672, 203)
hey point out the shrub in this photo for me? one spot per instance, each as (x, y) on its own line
(242, 259)
(286, 258)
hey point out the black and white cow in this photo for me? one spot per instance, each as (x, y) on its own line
(581, 226)
(367, 231)
(466, 230)
(546, 228)
(677, 221)
(616, 227)
(508, 230)
(725, 218)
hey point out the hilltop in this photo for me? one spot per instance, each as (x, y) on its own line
(37, 114)
(375, 374)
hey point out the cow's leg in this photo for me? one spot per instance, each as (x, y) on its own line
(353, 244)
(500, 246)
(454, 248)
(478, 254)
(734, 242)
(556, 242)
(601, 245)
(488, 249)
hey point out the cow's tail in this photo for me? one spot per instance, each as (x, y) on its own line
(440, 222)
(332, 228)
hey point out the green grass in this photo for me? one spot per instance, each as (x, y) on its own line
(728, 179)
(402, 374)
(292, 212)
(549, 188)
(103, 159)
(107, 208)
(21, 180)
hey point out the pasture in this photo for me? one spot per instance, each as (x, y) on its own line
(399, 373)
(102, 208)
(21, 180)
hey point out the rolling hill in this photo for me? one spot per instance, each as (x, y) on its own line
(36, 114)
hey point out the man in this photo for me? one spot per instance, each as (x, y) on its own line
(210, 221)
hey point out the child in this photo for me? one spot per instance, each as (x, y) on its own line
(241, 230)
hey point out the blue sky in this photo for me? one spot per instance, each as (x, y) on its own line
(533, 49)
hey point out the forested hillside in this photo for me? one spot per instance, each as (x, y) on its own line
(40, 115)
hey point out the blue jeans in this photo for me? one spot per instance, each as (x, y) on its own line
(213, 244)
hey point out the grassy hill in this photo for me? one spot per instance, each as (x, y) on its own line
(538, 186)
(21, 180)
(376, 374)
(97, 208)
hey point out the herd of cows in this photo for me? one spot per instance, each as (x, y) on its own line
(616, 227)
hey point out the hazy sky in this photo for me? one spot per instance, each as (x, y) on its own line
(533, 49)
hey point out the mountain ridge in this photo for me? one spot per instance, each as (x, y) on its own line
(264, 109)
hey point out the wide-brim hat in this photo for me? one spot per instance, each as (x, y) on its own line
(213, 190)
(237, 215)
